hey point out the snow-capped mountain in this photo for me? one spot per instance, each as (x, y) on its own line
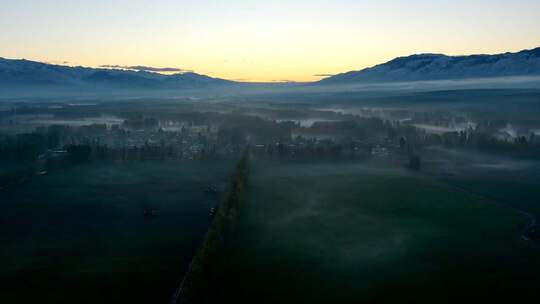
(441, 67)
(22, 73)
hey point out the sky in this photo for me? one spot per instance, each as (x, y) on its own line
(257, 40)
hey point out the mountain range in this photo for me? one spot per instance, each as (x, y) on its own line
(31, 73)
(442, 67)
(24, 73)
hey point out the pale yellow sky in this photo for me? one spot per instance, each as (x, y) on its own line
(257, 40)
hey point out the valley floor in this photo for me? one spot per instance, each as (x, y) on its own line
(327, 233)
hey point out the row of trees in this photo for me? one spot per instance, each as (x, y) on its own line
(27, 146)
(210, 269)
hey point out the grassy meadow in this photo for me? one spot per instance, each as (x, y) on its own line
(79, 234)
(357, 234)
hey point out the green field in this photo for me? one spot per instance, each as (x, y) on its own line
(514, 193)
(79, 234)
(355, 234)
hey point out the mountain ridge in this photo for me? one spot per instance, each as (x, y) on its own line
(22, 72)
(17, 73)
(430, 66)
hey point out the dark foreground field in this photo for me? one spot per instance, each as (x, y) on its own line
(79, 235)
(355, 234)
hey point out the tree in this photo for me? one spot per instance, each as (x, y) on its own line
(79, 153)
(415, 162)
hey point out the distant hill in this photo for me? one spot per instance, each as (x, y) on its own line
(21, 73)
(442, 67)
(24, 77)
